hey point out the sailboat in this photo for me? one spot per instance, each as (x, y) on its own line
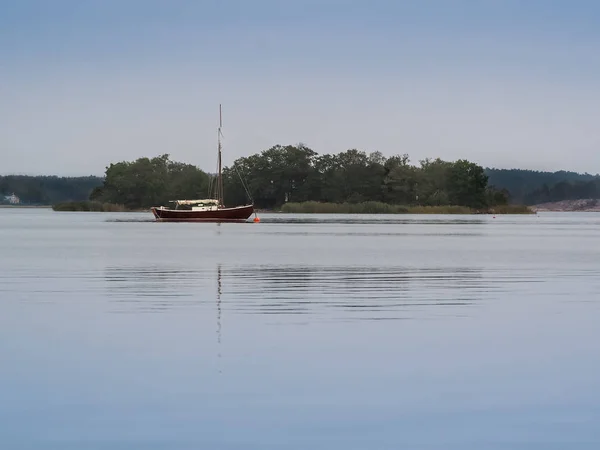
(205, 210)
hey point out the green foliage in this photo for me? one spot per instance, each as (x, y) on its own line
(400, 181)
(432, 189)
(511, 209)
(441, 209)
(88, 206)
(564, 190)
(150, 182)
(297, 174)
(533, 187)
(46, 190)
(284, 174)
(467, 184)
(276, 175)
(313, 207)
(497, 197)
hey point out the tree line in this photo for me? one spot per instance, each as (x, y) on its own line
(295, 173)
(531, 187)
(48, 190)
(289, 173)
(284, 174)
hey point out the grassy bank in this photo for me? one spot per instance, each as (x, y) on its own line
(89, 206)
(385, 208)
(512, 209)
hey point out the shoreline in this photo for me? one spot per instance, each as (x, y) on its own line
(323, 208)
(26, 206)
(372, 207)
(580, 205)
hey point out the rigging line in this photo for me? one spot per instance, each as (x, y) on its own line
(210, 178)
(211, 182)
(239, 174)
(243, 183)
(220, 193)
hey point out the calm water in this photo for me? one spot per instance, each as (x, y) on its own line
(301, 332)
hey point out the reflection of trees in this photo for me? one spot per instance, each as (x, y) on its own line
(296, 289)
(219, 305)
(304, 289)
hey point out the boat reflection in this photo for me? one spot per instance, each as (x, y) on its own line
(334, 292)
(219, 311)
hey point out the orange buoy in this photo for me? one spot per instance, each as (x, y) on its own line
(256, 219)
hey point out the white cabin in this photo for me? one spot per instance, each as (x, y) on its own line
(12, 199)
(208, 204)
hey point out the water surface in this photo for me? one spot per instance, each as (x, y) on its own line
(302, 331)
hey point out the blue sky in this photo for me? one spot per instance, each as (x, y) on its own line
(503, 83)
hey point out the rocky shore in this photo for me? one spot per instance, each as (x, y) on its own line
(588, 204)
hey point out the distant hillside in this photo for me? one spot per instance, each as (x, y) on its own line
(533, 187)
(48, 190)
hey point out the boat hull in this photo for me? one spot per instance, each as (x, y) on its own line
(236, 214)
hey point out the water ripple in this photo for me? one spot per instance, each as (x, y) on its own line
(326, 291)
(329, 292)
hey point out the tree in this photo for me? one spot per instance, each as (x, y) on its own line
(275, 176)
(150, 182)
(433, 185)
(467, 183)
(497, 197)
(400, 181)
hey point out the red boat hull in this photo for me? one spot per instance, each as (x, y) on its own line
(236, 214)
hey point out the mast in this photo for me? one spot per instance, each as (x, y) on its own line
(220, 179)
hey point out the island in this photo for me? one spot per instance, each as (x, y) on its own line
(295, 179)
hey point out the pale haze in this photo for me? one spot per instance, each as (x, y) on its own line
(502, 83)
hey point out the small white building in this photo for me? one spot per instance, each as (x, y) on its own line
(12, 199)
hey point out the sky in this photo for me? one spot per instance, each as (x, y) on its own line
(504, 83)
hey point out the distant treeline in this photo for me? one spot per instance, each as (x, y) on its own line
(531, 187)
(296, 174)
(47, 190)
